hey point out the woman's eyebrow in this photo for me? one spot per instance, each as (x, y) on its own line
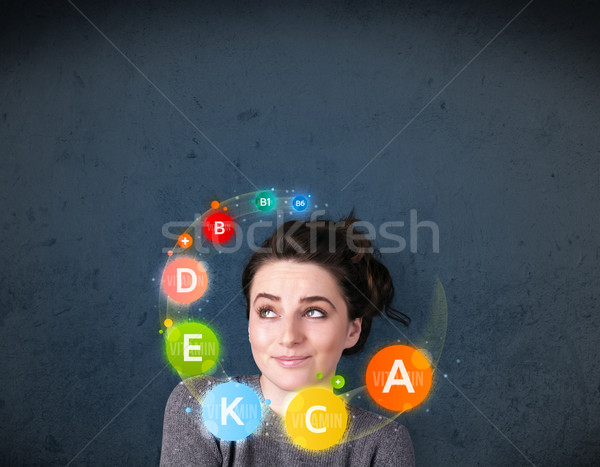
(314, 298)
(267, 295)
(318, 298)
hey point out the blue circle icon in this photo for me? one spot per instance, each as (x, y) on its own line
(300, 203)
(231, 411)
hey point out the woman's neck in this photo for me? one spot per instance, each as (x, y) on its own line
(280, 398)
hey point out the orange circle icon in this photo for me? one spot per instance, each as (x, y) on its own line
(185, 280)
(185, 240)
(398, 377)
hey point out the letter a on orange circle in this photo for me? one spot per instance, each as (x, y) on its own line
(398, 377)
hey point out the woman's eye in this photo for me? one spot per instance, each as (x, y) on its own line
(266, 313)
(314, 313)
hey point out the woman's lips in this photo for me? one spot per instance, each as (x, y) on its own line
(290, 362)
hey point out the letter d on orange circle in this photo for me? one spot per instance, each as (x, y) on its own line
(184, 280)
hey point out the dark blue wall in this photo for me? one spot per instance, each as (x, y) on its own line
(94, 160)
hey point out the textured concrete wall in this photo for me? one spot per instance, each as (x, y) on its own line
(94, 160)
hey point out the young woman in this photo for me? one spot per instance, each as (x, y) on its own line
(311, 293)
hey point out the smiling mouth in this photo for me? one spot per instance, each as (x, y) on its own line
(290, 362)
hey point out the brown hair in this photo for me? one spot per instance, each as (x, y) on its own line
(364, 282)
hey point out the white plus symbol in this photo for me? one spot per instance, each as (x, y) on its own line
(337, 381)
(184, 240)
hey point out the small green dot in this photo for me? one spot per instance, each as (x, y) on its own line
(160, 332)
(319, 375)
(338, 381)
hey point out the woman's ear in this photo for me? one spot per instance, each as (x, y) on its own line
(353, 332)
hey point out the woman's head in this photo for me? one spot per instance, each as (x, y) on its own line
(299, 323)
(311, 292)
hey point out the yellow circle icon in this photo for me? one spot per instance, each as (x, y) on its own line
(316, 419)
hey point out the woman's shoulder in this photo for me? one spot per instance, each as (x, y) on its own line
(386, 436)
(195, 387)
(199, 386)
(365, 419)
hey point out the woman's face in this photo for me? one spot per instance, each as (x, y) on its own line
(298, 324)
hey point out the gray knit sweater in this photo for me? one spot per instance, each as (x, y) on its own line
(186, 441)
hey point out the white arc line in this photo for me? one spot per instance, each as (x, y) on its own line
(438, 93)
(147, 384)
(436, 367)
(186, 118)
(489, 421)
(118, 413)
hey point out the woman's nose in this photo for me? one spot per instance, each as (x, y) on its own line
(291, 332)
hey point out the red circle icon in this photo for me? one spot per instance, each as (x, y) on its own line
(218, 227)
(185, 280)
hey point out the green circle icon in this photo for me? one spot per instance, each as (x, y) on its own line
(192, 348)
(265, 201)
(338, 381)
